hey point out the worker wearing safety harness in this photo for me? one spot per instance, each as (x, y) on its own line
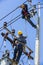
(26, 15)
(20, 47)
(19, 42)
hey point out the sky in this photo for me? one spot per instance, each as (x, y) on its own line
(7, 6)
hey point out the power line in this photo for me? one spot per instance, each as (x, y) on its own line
(11, 12)
(10, 22)
(16, 18)
(14, 21)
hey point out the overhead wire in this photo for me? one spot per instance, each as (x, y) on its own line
(10, 22)
(11, 12)
(14, 10)
(15, 20)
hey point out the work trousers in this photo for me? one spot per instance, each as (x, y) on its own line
(18, 49)
(32, 24)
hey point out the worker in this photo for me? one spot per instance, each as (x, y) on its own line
(26, 15)
(19, 42)
(19, 47)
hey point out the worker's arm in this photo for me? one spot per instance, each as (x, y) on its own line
(23, 16)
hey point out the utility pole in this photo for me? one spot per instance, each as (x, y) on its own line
(37, 44)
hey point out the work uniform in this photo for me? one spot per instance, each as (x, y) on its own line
(26, 15)
(19, 47)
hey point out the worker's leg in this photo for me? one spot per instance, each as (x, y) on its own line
(19, 55)
(15, 51)
(20, 49)
(33, 25)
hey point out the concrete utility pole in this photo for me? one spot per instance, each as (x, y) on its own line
(37, 45)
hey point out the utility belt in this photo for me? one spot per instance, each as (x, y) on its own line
(23, 45)
(27, 16)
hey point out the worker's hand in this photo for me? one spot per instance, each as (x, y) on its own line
(16, 42)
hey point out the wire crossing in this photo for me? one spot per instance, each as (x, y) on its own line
(11, 12)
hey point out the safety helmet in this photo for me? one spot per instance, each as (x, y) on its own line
(22, 6)
(20, 33)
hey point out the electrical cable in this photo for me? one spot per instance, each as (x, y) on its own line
(10, 22)
(14, 18)
(7, 15)
(10, 12)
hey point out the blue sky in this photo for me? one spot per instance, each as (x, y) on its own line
(7, 6)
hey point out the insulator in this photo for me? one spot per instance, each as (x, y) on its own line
(13, 30)
(6, 33)
(33, 12)
(5, 36)
(5, 24)
(7, 52)
(34, 6)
